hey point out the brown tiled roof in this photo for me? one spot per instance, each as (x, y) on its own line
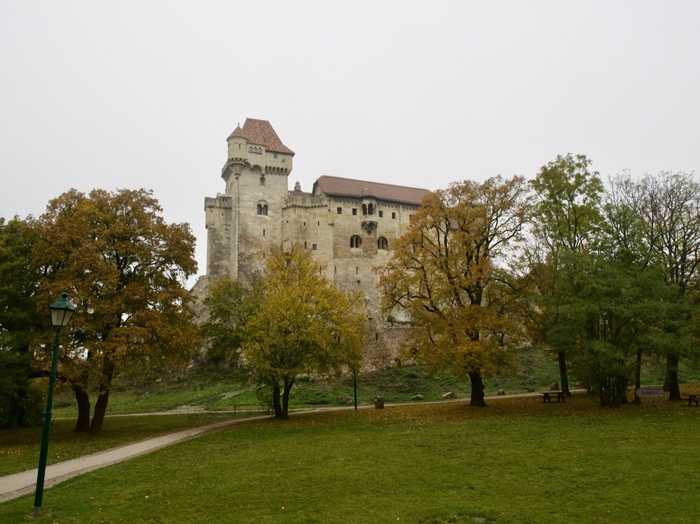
(260, 132)
(349, 187)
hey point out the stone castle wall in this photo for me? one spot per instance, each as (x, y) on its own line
(239, 235)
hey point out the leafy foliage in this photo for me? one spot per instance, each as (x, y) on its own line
(565, 219)
(303, 324)
(125, 267)
(229, 306)
(19, 324)
(443, 276)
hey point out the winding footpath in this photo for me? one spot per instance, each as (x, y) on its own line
(18, 484)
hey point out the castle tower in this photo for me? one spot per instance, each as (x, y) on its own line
(245, 222)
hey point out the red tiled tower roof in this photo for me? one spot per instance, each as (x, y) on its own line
(260, 132)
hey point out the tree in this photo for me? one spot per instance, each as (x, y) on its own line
(670, 210)
(625, 236)
(303, 324)
(125, 268)
(608, 309)
(19, 322)
(566, 215)
(444, 277)
(229, 306)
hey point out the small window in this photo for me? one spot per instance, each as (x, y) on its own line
(304, 223)
(382, 243)
(339, 210)
(355, 241)
(393, 214)
(354, 211)
(263, 232)
(262, 180)
(357, 270)
(314, 247)
(305, 245)
(381, 214)
(364, 209)
(262, 209)
(370, 209)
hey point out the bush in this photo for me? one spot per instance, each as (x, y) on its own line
(21, 403)
(263, 393)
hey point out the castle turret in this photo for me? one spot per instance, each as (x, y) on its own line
(245, 223)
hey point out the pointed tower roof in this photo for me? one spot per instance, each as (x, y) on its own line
(260, 132)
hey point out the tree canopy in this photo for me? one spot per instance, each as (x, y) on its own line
(303, 325)
(125, 268)
(444, 277)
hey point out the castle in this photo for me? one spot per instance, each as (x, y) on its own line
(348, 226)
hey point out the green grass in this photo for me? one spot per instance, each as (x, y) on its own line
(212, 389)
(220, 390)
(19, 448)
(516, 461)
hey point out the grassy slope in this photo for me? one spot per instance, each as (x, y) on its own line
(19, 449)
(221, 390)
(516, 461)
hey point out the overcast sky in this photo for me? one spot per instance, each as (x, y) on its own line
(144, 94)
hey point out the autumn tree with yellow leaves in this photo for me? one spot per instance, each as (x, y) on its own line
(445, 277)
(303, 324)
(125, 268)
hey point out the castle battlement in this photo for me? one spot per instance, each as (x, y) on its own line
(347, 225)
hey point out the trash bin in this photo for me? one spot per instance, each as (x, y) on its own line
(379, 402)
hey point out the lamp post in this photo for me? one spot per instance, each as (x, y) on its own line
(61, 312)
(354, 387)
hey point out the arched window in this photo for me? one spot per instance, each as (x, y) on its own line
(382, 243)
(355, 241)
(262, 180)
(262, 208)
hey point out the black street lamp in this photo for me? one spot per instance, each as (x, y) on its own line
(61, 312)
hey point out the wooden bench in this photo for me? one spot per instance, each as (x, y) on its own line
(693, 399)
(651, 392)
(548, 396)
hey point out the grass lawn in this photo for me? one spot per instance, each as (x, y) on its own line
(516, 461)
(213, 389)
(19, 448)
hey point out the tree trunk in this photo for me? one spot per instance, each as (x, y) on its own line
(285, 397)
(101, 405)
(638, 377)
(83, 401)
(477, 396)
(674, 390)
(613, 390)
(276, 403)
(100, 410)
(563, 373)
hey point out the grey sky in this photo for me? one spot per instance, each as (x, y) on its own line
(144, 94)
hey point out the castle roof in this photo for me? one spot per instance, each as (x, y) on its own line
(260, 132)
(350, 187)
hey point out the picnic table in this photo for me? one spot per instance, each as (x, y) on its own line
(549, 396)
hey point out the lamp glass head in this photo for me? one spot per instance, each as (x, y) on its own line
(62, 310)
